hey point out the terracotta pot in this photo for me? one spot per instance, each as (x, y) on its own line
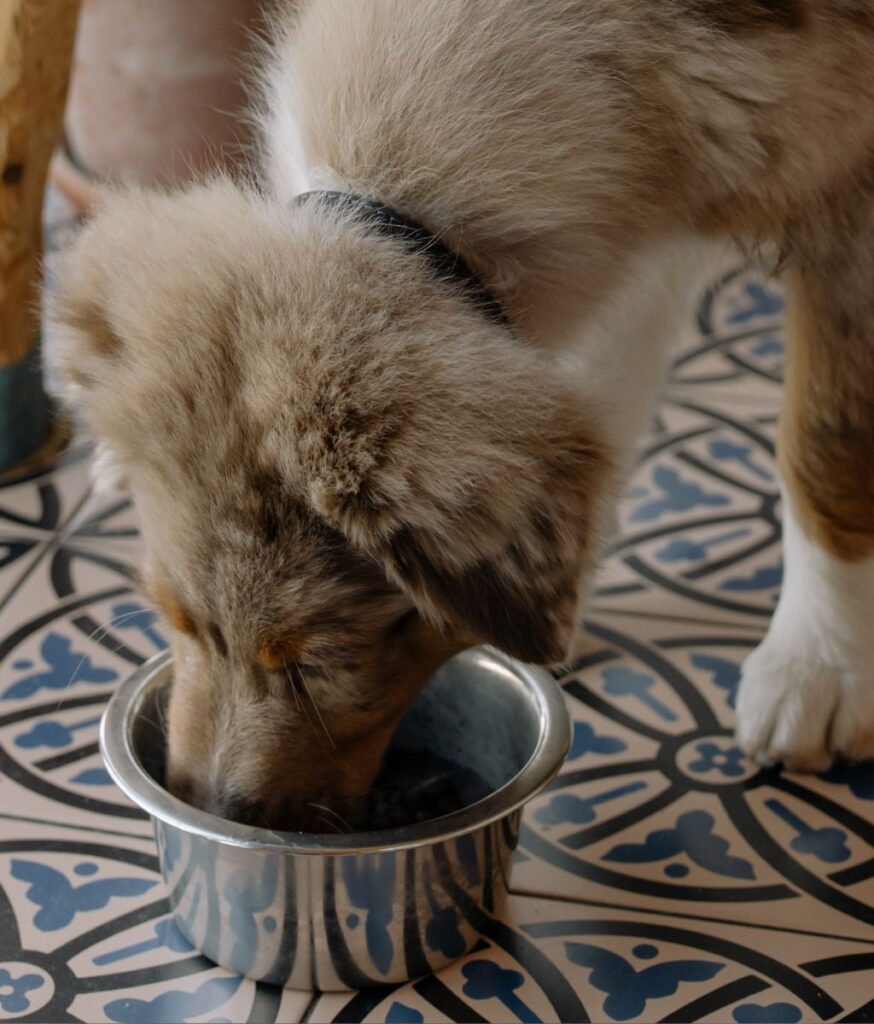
(157, 91)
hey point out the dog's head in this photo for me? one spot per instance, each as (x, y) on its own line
(343, 471)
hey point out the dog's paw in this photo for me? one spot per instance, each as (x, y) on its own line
(795, 710)
(807, 692)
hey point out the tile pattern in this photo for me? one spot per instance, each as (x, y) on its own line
(661, 877)
(34, 511)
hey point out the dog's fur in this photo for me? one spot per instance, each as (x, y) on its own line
(344, 472)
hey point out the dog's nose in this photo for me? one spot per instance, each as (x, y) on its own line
(234, 807)
(180, 785)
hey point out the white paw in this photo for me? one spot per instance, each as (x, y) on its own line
(807, 692)
(794, 709)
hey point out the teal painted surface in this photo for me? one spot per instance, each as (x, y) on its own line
(24, 409)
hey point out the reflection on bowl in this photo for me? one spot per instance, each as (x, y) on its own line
(352, 910)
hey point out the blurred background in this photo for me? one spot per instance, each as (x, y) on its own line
(93, 93)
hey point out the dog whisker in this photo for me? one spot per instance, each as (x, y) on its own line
(103, 629)
(161, 716)
(335, 816)
(315, 708)
(294, 689)
(302, 708)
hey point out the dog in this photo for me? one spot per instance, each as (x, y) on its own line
(347, 468)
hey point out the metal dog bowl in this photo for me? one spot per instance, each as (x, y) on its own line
(348, 911)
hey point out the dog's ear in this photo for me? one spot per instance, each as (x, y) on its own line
(511, 583)
(83, 349)
(478, 489)
(135, 281)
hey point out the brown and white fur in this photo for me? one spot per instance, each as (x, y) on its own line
(344, 472)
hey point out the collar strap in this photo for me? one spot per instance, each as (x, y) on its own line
(446, 263)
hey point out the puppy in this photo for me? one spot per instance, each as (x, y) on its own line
(346, 470)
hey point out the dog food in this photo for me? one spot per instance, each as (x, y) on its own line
(417, 787)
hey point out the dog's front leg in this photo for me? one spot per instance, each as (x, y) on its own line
(807, 692)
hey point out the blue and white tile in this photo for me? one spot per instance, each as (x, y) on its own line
(75, 629)
(87, 936)
(699, 526)
(550, 960)
(204, 994)
(107, 525)
(669, 813)
(33, 509)
(736, 347)
(699, 529)
(45, 499)
(661, 877)
(63, 889)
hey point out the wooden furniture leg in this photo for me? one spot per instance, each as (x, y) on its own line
(36, 46)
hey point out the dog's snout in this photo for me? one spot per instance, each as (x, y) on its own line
(220, 801)
(234, 807)
(289, 816)
(180, 785)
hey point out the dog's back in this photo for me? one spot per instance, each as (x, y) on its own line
(530, 124)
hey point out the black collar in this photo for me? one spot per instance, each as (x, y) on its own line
(446, 263)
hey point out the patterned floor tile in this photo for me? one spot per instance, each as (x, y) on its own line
(75, 628)
(661, 877)
(86, 936)
(736, 346)
(107, 524)
(657, 808)
(33, 509)
(699, 533)
(699, 527)
(548, 960)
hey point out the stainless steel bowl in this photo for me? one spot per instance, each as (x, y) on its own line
(348, 911)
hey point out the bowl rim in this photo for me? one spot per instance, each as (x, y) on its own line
(550, 751)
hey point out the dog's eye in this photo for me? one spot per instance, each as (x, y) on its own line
(278, 655)
(298, 673)
(294, 673)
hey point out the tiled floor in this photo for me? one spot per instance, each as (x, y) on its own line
(662, 877)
